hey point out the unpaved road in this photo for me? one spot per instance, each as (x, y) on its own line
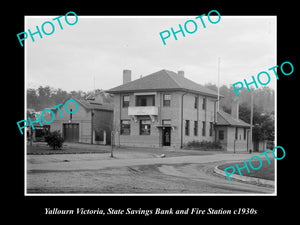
(137, 174)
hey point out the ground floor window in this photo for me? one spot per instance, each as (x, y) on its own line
(195, 128)
(203, 128)
(187, 127)
(41, 132)
(145, 127)
(125, 127)
(211, 127)
(221, 135)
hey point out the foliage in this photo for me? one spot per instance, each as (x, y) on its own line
(203, 145)
(263, 123)
(47, 97)
(264, 130)
(263, 109)
(264, 97)
(54, 140)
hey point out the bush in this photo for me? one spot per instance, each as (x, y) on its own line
(54, 140)
(203, 145)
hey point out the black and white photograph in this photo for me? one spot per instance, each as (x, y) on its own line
(148, 117)
(172, 113)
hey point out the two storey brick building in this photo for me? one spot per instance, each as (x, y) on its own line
(163, 109)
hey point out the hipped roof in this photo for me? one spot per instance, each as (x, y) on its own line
(86, 104)
(163, 80)
(225, 119)
(92, 105)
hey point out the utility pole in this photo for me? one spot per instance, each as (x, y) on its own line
(112, 144)
(94, 86)
(251, 124)
(218, 102)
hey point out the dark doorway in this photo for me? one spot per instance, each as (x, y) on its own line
(166, 135)
(71, 132)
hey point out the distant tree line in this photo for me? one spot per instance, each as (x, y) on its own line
(263, 109)
(47, 97)
(264, 98)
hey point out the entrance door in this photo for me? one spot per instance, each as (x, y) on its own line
(71, 132)
(166, 135)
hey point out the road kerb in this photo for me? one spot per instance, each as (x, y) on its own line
(246, 178)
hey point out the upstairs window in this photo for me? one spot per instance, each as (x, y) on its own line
(196, 102)
(126, 99)
(167, 100)
(145, 100)
(204, 103)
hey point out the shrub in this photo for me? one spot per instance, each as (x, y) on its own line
(203, 145)
(54, 140)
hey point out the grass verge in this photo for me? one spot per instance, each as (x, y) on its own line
(267, 171)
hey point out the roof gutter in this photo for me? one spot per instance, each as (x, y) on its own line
(164, 89)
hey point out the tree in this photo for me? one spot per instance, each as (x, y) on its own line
(263, 123)
(58, 96)
(44, 97)
(32, 98)
(264, 130)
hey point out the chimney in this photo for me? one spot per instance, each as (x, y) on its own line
(235, 108)
(126, 76)
(181, 73)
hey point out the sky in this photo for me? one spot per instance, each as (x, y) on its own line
(94, 52)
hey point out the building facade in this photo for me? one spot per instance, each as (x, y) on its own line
(91, 123)
(163, 109)
(233, 136)
(167, 110)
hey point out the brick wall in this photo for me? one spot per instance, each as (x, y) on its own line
(81, 116)
(102, 121)
(201, 115)
(172, 113)
(230, 143)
